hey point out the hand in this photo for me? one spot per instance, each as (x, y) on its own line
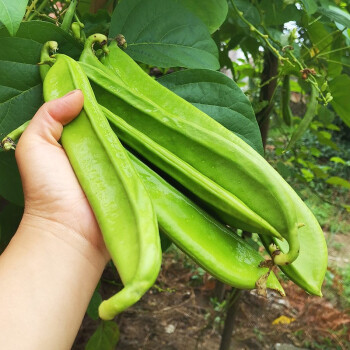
(51, 190)
(53, 263)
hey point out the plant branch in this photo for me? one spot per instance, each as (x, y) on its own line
(331, 51)
(30, 9)
(37, 11)
(264, 37)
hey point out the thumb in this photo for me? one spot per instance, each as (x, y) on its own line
(46, 127)
(47, 124)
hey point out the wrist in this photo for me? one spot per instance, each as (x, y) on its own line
(57, 234)
(49, 273)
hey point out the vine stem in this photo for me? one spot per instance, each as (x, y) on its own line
(331, 51)
(261, 35)
(29, 9)
(37, 11)
(232, 308)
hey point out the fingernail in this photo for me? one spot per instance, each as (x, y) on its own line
(71, 93)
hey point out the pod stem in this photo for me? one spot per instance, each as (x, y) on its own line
(280, 258)
(96, 38)
(8, 142)
(45, 57)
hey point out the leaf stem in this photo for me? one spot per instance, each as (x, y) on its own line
(37, 11)
(264, 37)
(30, 8)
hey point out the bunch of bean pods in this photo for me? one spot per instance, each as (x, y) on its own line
(128, 120)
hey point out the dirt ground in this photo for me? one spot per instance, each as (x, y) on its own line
(179, 313)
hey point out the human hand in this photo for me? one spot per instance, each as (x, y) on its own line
(53, 196)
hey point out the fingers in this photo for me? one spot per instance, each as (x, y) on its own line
(48, 122)
(46, 127)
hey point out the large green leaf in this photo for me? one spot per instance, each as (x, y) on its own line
(10, 217)
(20, 97)
(95, 302)
(11, 14)
(340, 87)
(41, 32)
(251, 13)
(20, 83)
(105, 337)
(10, 181)
(212, 12)
(219, 97)
(21, 88)
(164, 34)
(310, 6)
(278, 12)
(335, 14)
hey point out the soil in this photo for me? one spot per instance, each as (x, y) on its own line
(181, 312)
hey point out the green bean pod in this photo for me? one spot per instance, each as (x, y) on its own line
(210, 244)
(309, 269)
(228, 174)
(115, 192)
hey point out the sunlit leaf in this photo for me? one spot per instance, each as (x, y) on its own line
(106, 337)
(338, 181)
(164, 34)
(11, 14)
(211, 12)
(219, 97)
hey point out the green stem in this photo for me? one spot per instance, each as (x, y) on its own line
(68, 17)
(8, 142)
(46, 60)
(331, 51)
(336, 62)
(261, 35)
(30, 9)
(38, 10)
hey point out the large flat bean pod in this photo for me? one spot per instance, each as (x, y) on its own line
(309, 269)
(210, 244)
(115, 192)
(199, 141)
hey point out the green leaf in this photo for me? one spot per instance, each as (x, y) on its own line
(219, 97)
(164, 34)
(212, 12)
(106, 337)
(251, 13)
(11, 14)
(41, 32)
(325, 115)
(318, 34)
(96, 22)
(83, 7)
(307, 174)
(337, 160)
(20, 97)
(10, 217)
(10, 181)
(340, 87)
(95, 302)
(335, 14)
(310, 6)
(21, 88)
(338, 181)
(277, 12)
